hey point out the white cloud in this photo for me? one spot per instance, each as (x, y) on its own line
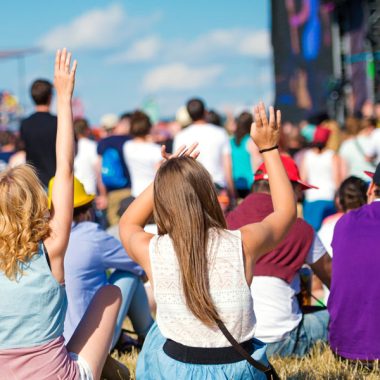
(255, 44)
(227, 42)
(263, 77)
(142, 50)
(214, 44)
(178, 76)
(97, 28)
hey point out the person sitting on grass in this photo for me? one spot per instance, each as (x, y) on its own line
(281, 322)
(200, 271)
(33, 243)
(355, 288)
(91, 252)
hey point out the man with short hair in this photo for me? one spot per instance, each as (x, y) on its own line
(213, 142)
(355, 288)
(276, 280)
(38, 132)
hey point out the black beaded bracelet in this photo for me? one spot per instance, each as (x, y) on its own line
(268, 149)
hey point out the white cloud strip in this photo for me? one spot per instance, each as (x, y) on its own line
(142, 50)
(178, 76)
(216, 43)
(97, 28)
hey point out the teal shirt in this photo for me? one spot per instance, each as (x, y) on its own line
(33, 307)
(242, 172)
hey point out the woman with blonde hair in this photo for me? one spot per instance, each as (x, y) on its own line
(33, 242)
(200, 271)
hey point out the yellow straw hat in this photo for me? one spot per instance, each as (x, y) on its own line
(81, 198)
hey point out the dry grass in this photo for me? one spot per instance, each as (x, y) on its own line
(321, 364)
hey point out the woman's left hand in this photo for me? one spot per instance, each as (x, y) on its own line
(183, 150)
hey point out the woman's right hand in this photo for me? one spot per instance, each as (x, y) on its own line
(265, 134)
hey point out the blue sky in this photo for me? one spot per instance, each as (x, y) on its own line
(132, 51)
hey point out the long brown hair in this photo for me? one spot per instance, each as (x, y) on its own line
(186, 207)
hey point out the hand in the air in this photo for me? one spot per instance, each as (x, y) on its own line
(265, 134)
(64, 77)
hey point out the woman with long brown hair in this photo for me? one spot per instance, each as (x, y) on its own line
(200, 271)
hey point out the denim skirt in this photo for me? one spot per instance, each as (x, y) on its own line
(154, 364)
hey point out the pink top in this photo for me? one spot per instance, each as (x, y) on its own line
(49, 361)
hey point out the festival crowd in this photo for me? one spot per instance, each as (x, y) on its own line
(225, 240)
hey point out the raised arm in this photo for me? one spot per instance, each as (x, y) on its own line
(62, 192)
(131, 226)
(260, 238)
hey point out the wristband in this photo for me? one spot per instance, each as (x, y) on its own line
(268, 149)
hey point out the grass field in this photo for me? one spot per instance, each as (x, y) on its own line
(320, 364)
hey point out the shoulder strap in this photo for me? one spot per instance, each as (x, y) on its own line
(269, 371)
(361, 151)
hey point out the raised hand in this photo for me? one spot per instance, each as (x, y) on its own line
(264, 133)
(64, 77)
(183, 150)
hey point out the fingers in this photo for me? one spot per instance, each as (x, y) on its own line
(278, 119)
(256, 114)
(74, 68)
(195, 154)
(263, 115)
(63, 59)
(191, 149)
(178, 152)
(67, 62)
(272, 120)
(62, 62)
(57, 60)
(261, 119)
(165, 155)
(183, 150)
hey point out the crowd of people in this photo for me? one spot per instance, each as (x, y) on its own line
(222, 240)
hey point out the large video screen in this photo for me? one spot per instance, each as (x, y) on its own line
(302, 53)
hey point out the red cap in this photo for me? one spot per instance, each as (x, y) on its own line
(321, 135)
(375, 176)
(291, 170)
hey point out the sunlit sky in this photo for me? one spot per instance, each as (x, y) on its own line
(133, 51)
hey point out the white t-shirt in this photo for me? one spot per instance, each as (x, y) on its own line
(142, 159)
(214, 144)
(275, 303)
(319, 169)
(85, 164)
(373, 146)
(353, 151)
(326, 232)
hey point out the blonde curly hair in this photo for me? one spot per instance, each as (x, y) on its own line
(24, 218)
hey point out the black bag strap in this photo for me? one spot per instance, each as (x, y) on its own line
(269, 371)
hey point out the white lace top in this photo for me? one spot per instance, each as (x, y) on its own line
(228, 287)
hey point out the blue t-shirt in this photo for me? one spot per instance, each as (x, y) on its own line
(116, 143)
(91, 251)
